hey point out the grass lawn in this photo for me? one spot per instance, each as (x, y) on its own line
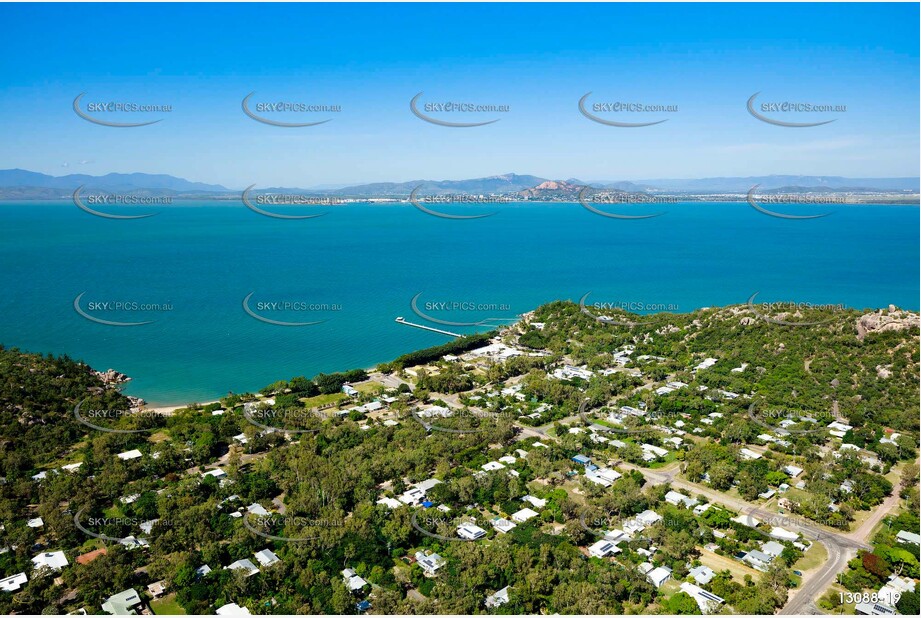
(722, 563)
(814, 557)
(369, 386)
(322, 400)
(166, 605)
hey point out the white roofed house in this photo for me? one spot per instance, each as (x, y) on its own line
(430, 562)
(266, 557)
(702, 574)
(13, 582)
(497, 599)
(706, 600)
(128, 455)
(125, 603)
(524, 515)
(649, 517)
(659, 576)
(502, 525)
(603, 549)
(244, 565)
(676, 498)
(354, 581)
(54, 560)
(749, 454)
(470, 532)
(232, 609)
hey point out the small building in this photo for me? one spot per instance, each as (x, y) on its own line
(903, 536)
(772, 548)
(353, 581)
(266, 557)
(659, 576)
(129, 455)
(749, 454)
(758, 559)
(500, 597)
(702, 574)
(157, 589)
(582, 459)
(537, 502)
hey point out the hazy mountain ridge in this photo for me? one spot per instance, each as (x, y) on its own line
(26, 185)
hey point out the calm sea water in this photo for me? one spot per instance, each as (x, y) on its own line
(366, 263)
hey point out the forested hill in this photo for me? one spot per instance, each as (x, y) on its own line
(37, 398)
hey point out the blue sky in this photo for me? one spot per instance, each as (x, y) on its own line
(538, 59)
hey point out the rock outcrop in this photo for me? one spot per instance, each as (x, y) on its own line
(886, 320)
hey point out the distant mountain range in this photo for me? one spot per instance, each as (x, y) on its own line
(26, 185)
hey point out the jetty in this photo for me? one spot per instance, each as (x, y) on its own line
(400, 320)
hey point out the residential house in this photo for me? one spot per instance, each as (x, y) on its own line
(13, 582)
(702, 574)
(266, 557)
(244, 565)
(125, 603)
(706, 601)
(603, 549)
(430, 562)
(659, 576)
(470, 532)
(500, 597)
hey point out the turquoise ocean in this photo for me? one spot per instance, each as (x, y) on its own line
(357, 268)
